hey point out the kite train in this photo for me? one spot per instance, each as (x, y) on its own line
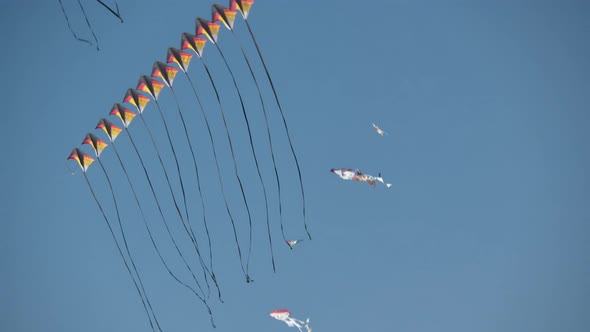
(175, 195)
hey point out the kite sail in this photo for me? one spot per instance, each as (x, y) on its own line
(285, 316)
(357, 175)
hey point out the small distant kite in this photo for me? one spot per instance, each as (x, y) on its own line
(284, 315)
(292, 243)
(379, 130)
(357, 175)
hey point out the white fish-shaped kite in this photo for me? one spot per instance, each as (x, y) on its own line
(357, 175)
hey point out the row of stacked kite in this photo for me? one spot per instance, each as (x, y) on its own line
(149, 88)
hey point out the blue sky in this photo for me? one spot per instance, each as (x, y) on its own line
(485, 228)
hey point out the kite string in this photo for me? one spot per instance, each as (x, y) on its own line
(196, 172)
(126, 244)
(285, 124)
(188, 230)
(211, 273)
(119, 249)
(217, 165)
(174, 198)
(271, 153)
(111, 10)
(251, 146)
(235, 167)
(152, 238)
(88, 23)
(70, 27)
(162, 214)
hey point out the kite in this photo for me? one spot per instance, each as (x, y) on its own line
(285, 316)
(292, 243)
(379, 130)
(115, 12)
(357, 175)
(243, 6)
(84, 161)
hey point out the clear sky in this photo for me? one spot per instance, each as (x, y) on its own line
(486, 226)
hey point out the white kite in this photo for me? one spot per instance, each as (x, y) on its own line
(379, 130)
(284, 315)
(292, 243)
(357, 175)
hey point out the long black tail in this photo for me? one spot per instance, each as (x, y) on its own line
(211, 273)
(121, 253)
(126, 244)
(218, 172)
(70, 26)
(152, 237)
(162, 214)
(111, 10)
(190, 235)
(88, 23)
(285, 124)
(251, 147)
(184, 222)
(248, 279)
(272, 154)
(164, 168)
